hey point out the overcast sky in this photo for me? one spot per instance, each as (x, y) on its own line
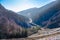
(20, 5)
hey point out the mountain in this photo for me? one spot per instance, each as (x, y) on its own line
(19, 19)
(12, 24)
(49, 11)
(54, 21)
(41, 16)
(29, 12)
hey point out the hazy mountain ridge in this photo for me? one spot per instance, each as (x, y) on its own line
(41, 16)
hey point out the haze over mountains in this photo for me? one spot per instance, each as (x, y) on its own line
(45, 15)
(15, 25)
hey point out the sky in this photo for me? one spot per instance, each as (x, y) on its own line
(20, 5)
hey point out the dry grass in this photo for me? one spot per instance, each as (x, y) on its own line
(47, 37)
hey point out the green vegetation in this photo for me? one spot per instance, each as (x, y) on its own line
(33, 30)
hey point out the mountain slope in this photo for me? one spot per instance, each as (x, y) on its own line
(54, 21)
(19, 19)
(47, 13)
(12, 24)
(29, 12)
(41, 16)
